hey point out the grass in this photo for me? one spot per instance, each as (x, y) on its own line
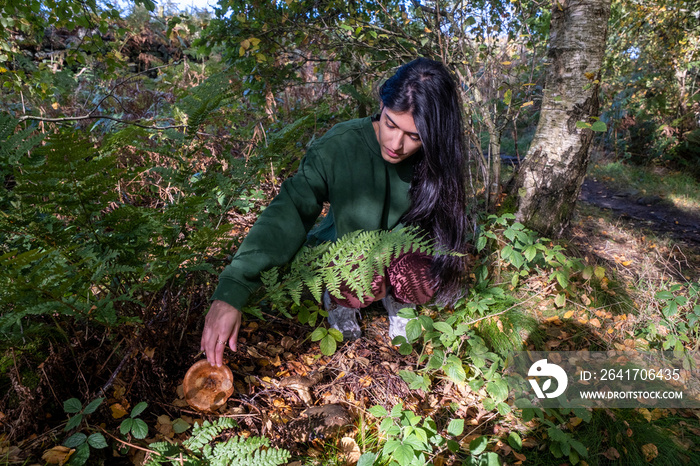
(680, 188)
(627, 433)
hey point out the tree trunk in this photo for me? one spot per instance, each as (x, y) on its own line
(550, 178)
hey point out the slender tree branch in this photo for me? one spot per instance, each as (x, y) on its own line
(98, 117)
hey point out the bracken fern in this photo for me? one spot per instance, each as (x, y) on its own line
(199, 450)
(352, 261)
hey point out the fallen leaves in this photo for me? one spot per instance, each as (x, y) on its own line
(650, 452)
(58, 455)
(350, 450)
(612, 454)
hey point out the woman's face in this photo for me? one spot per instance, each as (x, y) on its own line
(397, 135)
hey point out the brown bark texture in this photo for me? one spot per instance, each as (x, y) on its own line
(549, 181)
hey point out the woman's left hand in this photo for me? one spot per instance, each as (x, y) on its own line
(221, 327)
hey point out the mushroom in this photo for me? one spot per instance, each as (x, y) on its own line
(207, 388)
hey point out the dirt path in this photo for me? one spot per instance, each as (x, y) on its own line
(646, 212)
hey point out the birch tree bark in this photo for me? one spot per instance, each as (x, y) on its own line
(549, 181)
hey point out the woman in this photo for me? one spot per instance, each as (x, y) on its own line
(404, 167)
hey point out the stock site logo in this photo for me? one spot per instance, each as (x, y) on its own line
(542, 369)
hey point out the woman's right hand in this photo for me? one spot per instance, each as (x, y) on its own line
(221, 326)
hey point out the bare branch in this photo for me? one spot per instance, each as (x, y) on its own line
(98, 117)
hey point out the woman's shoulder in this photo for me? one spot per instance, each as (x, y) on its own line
(348, 135)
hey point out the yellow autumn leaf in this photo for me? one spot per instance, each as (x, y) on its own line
(54, 105)
(574, 421)
(3, 69)
(568, 314)
(57, 455)
(589, 75)
(505, 63)
(118, 410)
(646, 414)
(553, 320)
(595, 322)
(427, 30)
(527, 104)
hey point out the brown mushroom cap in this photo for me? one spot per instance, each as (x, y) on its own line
(207, 388)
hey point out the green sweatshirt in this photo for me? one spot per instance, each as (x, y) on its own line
(345, 168)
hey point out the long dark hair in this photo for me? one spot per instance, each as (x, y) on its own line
(438, 191)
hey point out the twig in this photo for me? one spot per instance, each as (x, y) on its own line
(91, 115)
(116, 372)
(98, 117)
(124, 442)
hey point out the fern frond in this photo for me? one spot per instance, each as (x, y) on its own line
(235, 451)
(204, 433)
(352, 261)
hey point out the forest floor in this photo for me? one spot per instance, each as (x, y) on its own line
(281, 379)
(621, 225)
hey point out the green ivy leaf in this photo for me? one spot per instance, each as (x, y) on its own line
(180, 425)
(579, 447)
(367, 459)
(478, 445)
(74, 440)
(404, 454)
(530, 252)
(139, 429)
(599, 272)
(405, 348)
(328, 345)
(319, 334)
(453, 446)
(72, 405)
(73, 422)
(125, 426)
(560, 300)
(93, 405)
(515, 441)
(498, 389)
(386, 424)
(138, 409)
(97, 440)
(378, 411)
(663, 295)
(583, 413)
(336, 334)
(444, 327)
(503, 408)
(599, 126)
(455, 427)
(454, 369)
(414, 330)
(81, 455)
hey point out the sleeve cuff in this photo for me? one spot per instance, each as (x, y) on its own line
(232, 292)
